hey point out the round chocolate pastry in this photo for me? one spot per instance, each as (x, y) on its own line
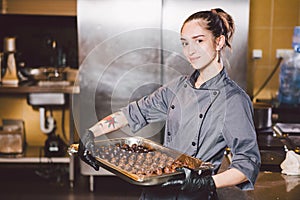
(133, 170)
(131, 162)
(161, 165)
(127, 167)
(121, 165)
(140, 160)
(140, 156)
(132, 157)
(150, 154)
(158, 171)
(113, 160)
(134, 147)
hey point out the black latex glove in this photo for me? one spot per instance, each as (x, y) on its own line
(193, 182)
(87, 151)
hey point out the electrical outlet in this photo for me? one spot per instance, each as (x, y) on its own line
(257, 54)
(283, 53)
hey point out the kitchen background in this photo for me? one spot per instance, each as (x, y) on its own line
(271, 27)
(37, 24)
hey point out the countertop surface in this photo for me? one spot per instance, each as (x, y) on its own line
(269, 186)
(14, 185)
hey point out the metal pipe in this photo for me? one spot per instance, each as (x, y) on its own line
(47, 125)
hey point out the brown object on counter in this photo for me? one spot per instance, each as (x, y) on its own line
(141, 160)
(144, 162)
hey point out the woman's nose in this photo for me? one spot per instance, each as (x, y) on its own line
(191, 49)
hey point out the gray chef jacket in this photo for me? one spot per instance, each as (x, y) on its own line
(202, 122)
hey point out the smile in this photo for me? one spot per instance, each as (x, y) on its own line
(194, 58)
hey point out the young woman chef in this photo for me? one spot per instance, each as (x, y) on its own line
(204, 112)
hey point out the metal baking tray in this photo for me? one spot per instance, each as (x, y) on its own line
(153, 179)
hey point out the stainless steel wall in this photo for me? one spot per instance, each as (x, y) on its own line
(127, 48)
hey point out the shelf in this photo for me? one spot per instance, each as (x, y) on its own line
(45, 7)
(33, 155)
(29, 88)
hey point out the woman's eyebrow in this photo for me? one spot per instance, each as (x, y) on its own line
(194, 37)
(197, 36)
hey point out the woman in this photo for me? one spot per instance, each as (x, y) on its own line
(204, 113)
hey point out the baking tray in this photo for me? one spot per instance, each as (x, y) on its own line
(152, 179)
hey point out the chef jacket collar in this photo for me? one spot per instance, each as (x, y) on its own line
(211, 83)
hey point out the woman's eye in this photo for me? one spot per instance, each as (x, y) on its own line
(199, 41)
(184, 44)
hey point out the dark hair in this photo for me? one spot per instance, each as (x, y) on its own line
(218, 22)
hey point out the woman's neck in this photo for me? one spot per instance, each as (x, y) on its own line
(208, 72)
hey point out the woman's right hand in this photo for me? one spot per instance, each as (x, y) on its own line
(87, 150)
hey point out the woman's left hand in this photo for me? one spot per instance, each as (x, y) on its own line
(193, 182)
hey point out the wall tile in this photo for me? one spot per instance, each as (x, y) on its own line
(260, 39)
(9, 108)
(286, 13)
(260, 13)
(260, 74)
(282, 39)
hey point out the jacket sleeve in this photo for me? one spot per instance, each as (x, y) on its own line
(151, 108)
(240, 136)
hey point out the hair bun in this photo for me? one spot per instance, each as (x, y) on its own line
(227, 22)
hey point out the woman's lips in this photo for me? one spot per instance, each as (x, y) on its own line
(194, 58)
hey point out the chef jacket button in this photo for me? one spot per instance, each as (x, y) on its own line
(185, 85)
(172, 106)
(201, 115)
(169, 133)
(194, 143)
(215, 93)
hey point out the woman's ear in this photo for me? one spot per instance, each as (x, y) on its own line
(220, 41)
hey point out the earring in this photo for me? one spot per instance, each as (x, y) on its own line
(219, 56)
